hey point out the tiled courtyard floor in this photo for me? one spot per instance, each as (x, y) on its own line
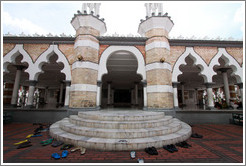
(220, 144)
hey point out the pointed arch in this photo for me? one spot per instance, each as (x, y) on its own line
(111, 49)
(229, 61)
(44, 58)
(11, 56)
(205, 71)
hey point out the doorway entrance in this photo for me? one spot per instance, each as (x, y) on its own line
(121, 86)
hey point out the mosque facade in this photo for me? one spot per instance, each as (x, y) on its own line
(92, 71)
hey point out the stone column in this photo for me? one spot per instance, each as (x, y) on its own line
(158, 68)
(210, 95)
(68, 83)
(136, 93)
(16, 85)
(182, 90)
(109, 92)
(99, 92)
(83, 91)
(32, 84)
(144, 82)
(61, 94)
(226, 85)
(175, 95)
(240, 85)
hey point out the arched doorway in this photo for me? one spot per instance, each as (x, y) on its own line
(122, 73)
(122, 87)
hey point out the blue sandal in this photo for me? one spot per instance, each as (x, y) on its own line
(64, 153)
(56, 156)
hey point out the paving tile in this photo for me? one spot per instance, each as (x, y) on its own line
(220, 144)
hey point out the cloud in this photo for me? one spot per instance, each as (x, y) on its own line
(21, 25)
(239, 17)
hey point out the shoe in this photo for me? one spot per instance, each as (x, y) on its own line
(37, 135)
(168, 148)
(186, 144)
(38, 129)
(195, 135)
(173, 147)
(29, 135)
(75, 149)
(82, 150)
(182, 145)
(64, 153)
(66, 146)
(24, 145)
(149, 151)
(140, 160)
(57, 143)
(155, 152)
(47, 142)
(133, 154)
(55, 156)
(21, 142)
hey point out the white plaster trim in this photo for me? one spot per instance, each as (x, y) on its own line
(158, 65)
(159, 88)
(83, 87)
(154, 23)
(157, 44)
(87, 65)
(89, 21)
(86, 43)
(111, 49)
(229, 61)
(206, 72)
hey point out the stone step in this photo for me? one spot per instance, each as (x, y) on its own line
(121, 116)
(119, 144)
(74, 119)
(120, 133)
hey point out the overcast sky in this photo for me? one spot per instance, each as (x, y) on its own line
(199, 19)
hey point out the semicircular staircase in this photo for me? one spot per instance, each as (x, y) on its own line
(120, 130)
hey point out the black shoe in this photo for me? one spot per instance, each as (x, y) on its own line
(168, 148)
(186, 144)
(195, 135)
(182, 145)
(173, 147)
(149, 151)
(66, 146)
(57, 143)
(24, 145)
(155, 152)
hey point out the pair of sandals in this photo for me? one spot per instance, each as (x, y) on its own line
(57, 156)
(195, 135)
(183, 144)
(82, 150)
(24, 144)
(46, 142)
(151, 150)
(170, 148)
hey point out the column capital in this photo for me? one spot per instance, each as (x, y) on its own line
(67, 82)
(209, 84)
(240, 85)
(20, 67)
(175, 84)
(99, 83)
(224, 69)
(144, 82)
(32, 82)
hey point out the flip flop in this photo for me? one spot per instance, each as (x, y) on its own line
(36, 135)
(133, 154)
(55, 156)
(48, 140)
(21, 142)
(82, 150)
(168, 148)
(24, 145)
(140, 160)
(57, 143)
(66, 146)
(75, 149)
(29, 135)
(64, 153)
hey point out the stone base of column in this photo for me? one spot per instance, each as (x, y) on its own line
(176, 108)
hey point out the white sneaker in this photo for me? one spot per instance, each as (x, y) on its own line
(140, 160)
(133, 154)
